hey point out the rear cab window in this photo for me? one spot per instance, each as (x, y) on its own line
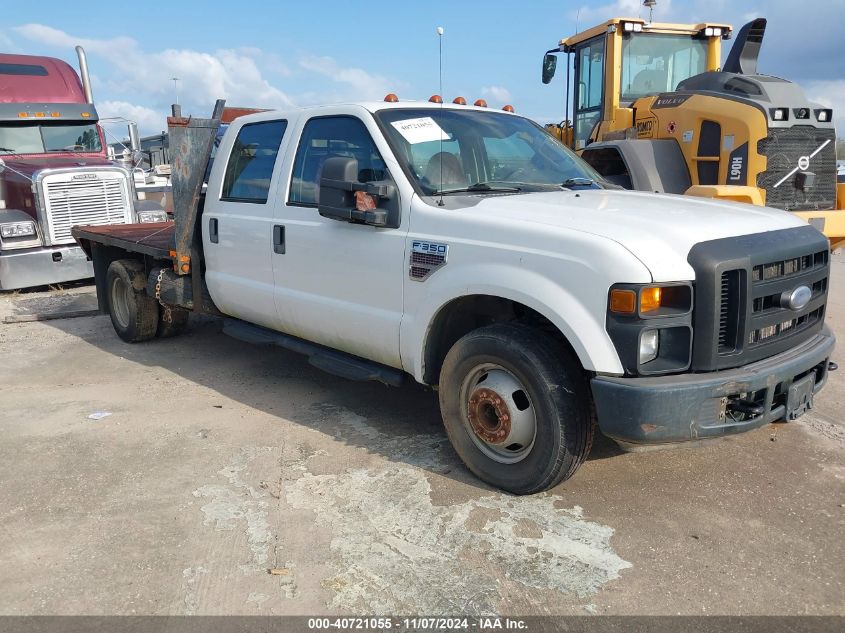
(249, 169)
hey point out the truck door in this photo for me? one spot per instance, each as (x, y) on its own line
(237, 223)
(589, 88)
(338, 284)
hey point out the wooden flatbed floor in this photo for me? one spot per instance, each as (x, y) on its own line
(154, 238)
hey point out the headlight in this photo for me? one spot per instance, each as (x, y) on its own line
(17, 229)
(824, 115)
(651, 326)
(649, 341)
(779, 114)
(145, 217)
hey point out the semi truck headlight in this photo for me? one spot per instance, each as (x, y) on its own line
(824, 115)
(17, 229)
(145, 217)
(649, 342)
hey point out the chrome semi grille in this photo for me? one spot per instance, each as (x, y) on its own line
(84, 198)
(784, 149)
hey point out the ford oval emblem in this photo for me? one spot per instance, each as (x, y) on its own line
(797, 299)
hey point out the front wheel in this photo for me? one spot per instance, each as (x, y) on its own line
(516, 406)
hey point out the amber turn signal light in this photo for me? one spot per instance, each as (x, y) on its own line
(650, 299)
(623, 301)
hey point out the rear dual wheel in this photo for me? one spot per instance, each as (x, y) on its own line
(517, 408)
(134, 314)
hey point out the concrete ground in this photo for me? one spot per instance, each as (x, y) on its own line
(219, 461)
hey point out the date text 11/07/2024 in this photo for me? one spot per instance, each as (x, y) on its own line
(416, 624)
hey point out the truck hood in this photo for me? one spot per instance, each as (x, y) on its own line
(659, 230)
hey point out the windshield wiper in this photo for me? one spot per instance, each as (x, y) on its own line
(578, 182)
(479, 187)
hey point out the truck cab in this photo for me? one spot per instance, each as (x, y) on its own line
(468, 249)
(54, 173)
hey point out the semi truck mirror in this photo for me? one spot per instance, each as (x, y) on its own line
(549, 66)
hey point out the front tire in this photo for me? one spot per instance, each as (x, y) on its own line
(517, 407)
(134, 314)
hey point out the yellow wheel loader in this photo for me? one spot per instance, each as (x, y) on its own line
(653, 111)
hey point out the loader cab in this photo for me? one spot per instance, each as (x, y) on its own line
(621, 60)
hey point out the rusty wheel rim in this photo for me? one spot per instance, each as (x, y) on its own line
(498, 413)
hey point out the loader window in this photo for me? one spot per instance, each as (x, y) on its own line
(653, 63)
(251, 162)
(589, 88)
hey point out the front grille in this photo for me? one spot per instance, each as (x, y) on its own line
(783, 148)
(743, 289)
(785, 328)
(768, 320)
(728, 311)
(84, 198)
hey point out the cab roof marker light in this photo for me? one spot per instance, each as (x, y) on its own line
(508, 108)
(391, 98)
(435, 99)
(481, 103)
(459, 101)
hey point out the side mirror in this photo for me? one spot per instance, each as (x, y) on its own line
(549, 66)
(338, 186)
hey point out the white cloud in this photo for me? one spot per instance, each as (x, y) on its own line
(589, 16)
(365, 85)
(231, 74)
(149, 120)
(497, 93)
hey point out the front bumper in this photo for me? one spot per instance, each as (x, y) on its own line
(667, 409)
(41, 266)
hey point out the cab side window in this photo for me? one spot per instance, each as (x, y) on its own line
(251, 162)
(324, 138)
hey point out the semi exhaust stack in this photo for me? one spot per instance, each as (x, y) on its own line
(742, 59)
(83, 71)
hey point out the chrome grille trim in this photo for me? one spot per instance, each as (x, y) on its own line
(71, 197)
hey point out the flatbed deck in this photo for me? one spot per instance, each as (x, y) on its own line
(154, 239)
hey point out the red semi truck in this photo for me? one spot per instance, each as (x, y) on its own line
(54, 172)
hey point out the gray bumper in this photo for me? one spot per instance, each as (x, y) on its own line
(41, 266)
(666, 409)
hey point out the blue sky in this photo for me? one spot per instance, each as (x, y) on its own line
(268, 54)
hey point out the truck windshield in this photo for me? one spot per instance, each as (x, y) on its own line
(34, 138)
(652, 62)
(480, 151)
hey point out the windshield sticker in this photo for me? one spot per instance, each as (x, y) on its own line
(422, 130)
